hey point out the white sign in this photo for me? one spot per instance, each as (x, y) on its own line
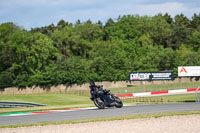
(139, 76)
(149, 76)
(162, 76)
(191, 71)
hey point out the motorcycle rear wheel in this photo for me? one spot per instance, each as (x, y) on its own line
(99, 102)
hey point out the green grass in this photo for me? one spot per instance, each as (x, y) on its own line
(49, 99)
(53, 101)
(43, 108)
(180, 98)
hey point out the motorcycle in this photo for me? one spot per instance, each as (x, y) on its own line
(103, 98)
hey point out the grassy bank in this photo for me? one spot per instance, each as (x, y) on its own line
(53, 101)
(49, 99)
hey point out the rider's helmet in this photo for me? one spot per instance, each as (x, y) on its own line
(92, 84)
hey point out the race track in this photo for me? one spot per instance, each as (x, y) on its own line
(97, 113)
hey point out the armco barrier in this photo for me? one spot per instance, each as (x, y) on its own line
(158, 93)
(11, 104)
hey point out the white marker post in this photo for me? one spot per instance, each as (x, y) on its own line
(196, 94)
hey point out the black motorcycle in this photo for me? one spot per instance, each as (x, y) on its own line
(103, 98)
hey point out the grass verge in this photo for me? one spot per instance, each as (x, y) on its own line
(54, 101)
(141, 116)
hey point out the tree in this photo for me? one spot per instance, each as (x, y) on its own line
(108, 29)
(7, 29)
(197, 61)
(185, 56)
(62, 40)
(89, 31)
(127, 27)
(6, 80)
(195, 22)
(159, 30)
(30, 53)
(70, 43)
(47, 30)
(145, 41)
(195, 40)
(77, 53)
(61, 24)
(181, 31)
(168, 18)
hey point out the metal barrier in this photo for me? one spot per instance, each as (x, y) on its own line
(8, 104)
(196, 94)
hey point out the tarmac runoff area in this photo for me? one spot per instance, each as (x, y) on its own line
(172, 124)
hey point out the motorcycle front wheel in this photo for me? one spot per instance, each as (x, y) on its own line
(118, 102)
(99, 102)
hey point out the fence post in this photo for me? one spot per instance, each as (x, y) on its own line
(196, 94)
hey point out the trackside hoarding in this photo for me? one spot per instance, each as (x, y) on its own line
(188, 71)
(149, 76)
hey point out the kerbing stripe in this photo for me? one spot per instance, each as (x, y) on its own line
(177, 91)
(159, 92)
(142, 94)
(193, 89)
(43, 112)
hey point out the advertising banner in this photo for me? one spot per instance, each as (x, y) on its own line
(149, 76)
(138, 76)
(189, 71)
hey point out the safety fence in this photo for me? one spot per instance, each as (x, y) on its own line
(162, 96)
(9, 104)
(159, 93)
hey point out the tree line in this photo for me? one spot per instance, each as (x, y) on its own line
(76, 53)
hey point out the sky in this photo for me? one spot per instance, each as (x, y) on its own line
(37, 13)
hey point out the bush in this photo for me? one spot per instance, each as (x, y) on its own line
(6, 80)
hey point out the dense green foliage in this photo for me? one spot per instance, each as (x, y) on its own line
(69, 53)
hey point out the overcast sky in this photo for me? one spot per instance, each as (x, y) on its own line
(37, 13)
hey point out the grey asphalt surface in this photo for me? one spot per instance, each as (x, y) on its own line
(97, 113)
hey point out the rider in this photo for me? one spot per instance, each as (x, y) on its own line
(94, 89)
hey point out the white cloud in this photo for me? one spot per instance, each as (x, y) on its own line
(49, 2)
(31, 2)
(36, 13)
(113, 10)
(172, 8)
